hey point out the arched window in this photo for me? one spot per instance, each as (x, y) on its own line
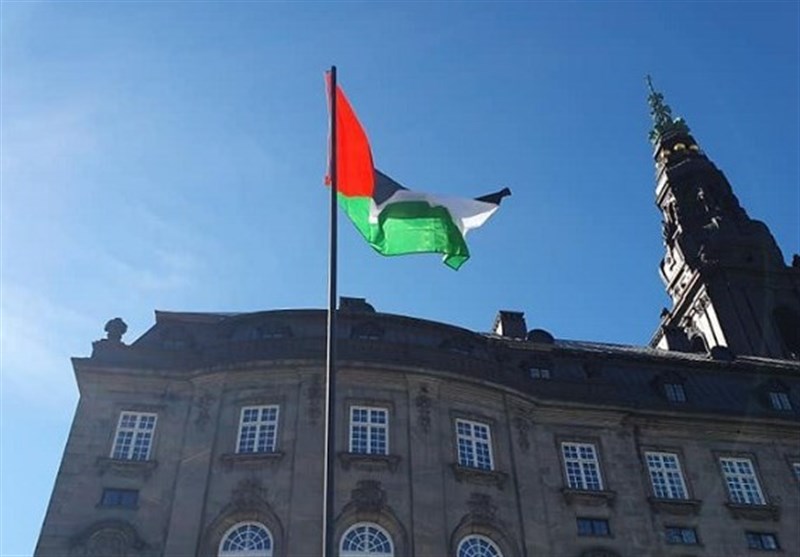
(478, 546)
(366, 539)
(246, 539)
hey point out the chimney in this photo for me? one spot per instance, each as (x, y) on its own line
(510, 324)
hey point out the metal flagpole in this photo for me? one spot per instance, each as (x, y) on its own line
(330, 374)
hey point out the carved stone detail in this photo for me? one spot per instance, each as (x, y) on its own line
(523, 425)
(478, 476)
(237, 460)
(481, 507)
(369, 462)
(368, 496)
(754, 512)
(126, 468)
(423, 403)
(314, 397)
(203, 405)
(678, 507)
(248, 494)
(591, 498)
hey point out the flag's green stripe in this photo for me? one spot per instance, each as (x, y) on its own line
(409, 227)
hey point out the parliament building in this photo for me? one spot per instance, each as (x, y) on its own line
(205, 436)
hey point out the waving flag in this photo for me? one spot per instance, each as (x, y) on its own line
(393, 219)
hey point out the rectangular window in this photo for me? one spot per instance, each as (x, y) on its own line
(796, 470)
(539, 373)
(474, 445)
(780, 401)
(593, 527)
(666, 475)
(675, 392)
(134, 436)
(369, 430)
(681, 535)
(125, 498)
(762, 540)
(581, 466)
(740, 477)
(258, 429)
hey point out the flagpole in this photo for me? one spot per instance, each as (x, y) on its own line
(330, 373)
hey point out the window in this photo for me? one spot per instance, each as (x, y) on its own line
(593, 527)
(741, 480)
(581, 466)
(478, 546)
(125, 498)
(258, 428)
(666, 475)
(675, 392)
(762, 540)
(796, 470)
(680, 535)
(369, 430)
(537, 372)
(250, 539)
(364, 539)
(134, 436)
(779, 400)
(474, 445)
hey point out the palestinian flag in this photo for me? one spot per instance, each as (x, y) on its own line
(395, 220)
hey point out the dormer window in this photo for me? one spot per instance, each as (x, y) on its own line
(539, 372)
(775, 395)
(779, 400)
(675, 393)
(538, 368)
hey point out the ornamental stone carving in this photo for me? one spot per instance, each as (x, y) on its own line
(314, 397)
(423, 403)
(368, 496)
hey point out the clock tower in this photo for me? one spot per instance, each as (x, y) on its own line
(731, 291)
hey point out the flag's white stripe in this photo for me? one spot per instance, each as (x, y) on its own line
(467, 214)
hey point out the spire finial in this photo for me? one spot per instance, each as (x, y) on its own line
(663, 121)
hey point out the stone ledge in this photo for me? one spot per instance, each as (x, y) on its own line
(127, 468)
(754, 512)
(369, 462)
(479, 476)
(249, 460)
(589, 497)
(679, 507)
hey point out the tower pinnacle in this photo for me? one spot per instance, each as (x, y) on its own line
(663, 121)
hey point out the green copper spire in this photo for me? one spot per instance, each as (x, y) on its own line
(663, 121)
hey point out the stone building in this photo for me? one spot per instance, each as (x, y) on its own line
(205, 435)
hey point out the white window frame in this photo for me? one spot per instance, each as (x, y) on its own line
(486, 546)
(779, 400)
(666, 475)
(472, 442)
(372, 530)
(261, 528)
(741, 481)
(373, 429)
(262, 426)
(128, 438)
(582, 464)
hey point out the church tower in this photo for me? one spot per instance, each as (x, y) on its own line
(723, 271)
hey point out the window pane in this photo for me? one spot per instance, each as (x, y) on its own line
(258, 429)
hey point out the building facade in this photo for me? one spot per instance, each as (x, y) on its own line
(205, 435)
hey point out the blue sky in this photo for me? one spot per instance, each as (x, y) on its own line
(170, 156)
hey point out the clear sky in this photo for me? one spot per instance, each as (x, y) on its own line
(170, 155)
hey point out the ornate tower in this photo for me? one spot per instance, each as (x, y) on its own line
(724, 272)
